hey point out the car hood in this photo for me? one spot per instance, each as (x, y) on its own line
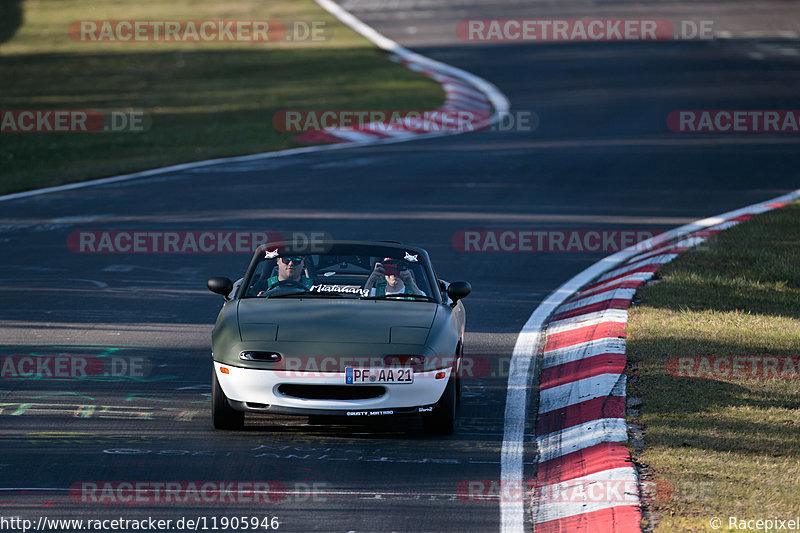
(331, 320)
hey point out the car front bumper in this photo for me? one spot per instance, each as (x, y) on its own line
(257, 390)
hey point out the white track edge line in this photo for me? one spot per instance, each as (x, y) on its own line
(530, 337)
(498, 99)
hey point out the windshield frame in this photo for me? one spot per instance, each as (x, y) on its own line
(344, 248)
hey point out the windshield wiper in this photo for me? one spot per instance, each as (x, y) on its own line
(404, 296)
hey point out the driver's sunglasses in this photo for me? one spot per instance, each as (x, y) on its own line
(292, 260)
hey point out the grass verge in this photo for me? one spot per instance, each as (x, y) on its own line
(202, 100)
(727, 444)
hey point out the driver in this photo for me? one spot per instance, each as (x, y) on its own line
(396, 279)
(290, 269)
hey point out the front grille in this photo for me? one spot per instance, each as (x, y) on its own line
(332, 392)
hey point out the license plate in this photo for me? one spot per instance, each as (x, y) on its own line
(372, 376)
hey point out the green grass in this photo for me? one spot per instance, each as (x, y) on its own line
(202, 100)
(729, 447)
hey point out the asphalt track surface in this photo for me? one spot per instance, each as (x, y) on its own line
(601, 158)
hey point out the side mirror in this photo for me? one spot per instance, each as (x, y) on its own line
(458, 290)
(220, 285)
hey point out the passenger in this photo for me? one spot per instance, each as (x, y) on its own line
(397, 279)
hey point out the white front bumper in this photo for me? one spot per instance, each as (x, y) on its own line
(261, 387)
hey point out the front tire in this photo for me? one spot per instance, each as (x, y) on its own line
(222, 414)
(442, 421)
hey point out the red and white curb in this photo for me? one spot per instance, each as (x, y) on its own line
(474, 101)
(581, 431)
(462, 80)
(465, 109)
(581, 419)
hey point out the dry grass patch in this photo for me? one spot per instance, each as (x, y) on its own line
(728, 446)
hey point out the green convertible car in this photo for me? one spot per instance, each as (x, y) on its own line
(347, 328)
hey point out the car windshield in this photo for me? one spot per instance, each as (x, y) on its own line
(342, 271)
